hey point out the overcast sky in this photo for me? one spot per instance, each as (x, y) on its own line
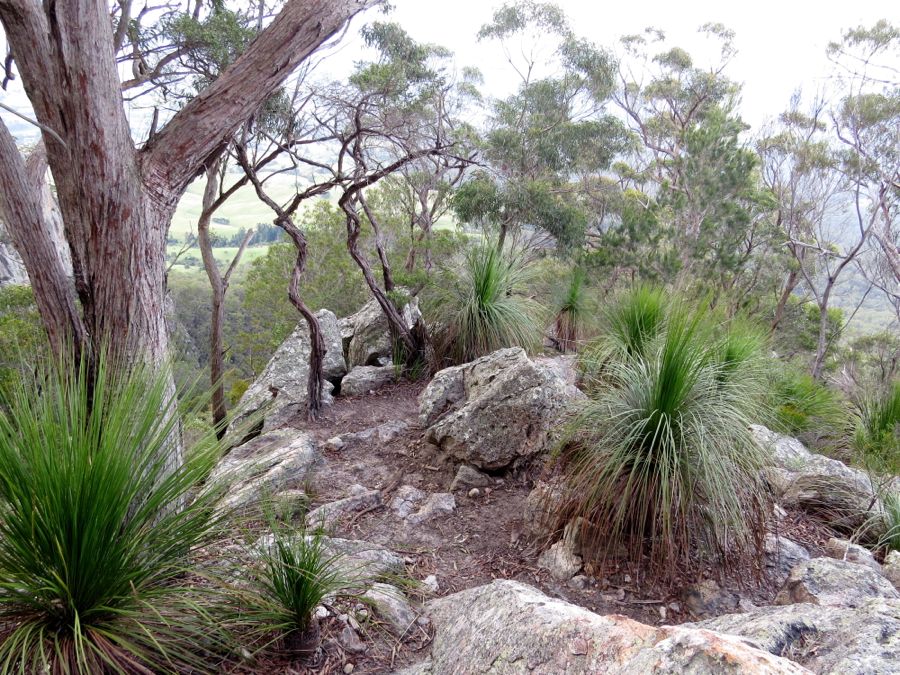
(781, 44)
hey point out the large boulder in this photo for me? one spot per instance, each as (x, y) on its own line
(509, 627)
(495, 410)
(864, 640)
(840, 495)
(364, 379)
(269, 464)
(367, 334)
(838, 583)
(282, 385)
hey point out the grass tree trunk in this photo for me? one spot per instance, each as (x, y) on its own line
(116, 201)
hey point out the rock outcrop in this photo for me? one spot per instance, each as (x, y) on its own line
(495, 410)
(836, 583)
(282, 385)
(508, 627)
(826, 488)
(364, 379)
(781, 556)
(864, 640)
(367, 335)
(267, 465)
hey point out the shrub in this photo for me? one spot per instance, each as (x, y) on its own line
(877, 437)
(97, 529)
(660, 460)
(295, 575)
(806, 408)
(571, 312)
(486, 308)
(891, 537)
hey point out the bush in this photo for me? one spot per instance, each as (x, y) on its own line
(891, 537)
(571, 312)
(660, 460)
(877, 437)
(486, 308)
(97, 529)
(22, 338)
(807, 408)
(294, 576)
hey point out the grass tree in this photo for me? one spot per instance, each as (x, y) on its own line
(660, 461)
(487, 306)
(96, 533)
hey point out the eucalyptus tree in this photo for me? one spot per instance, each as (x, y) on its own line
(116, 198)
(693, 164)
(391, 114)
(541, 140)
(866, 121)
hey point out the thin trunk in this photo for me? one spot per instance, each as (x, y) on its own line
(386, 274)
(822, 342)
(317, 343)
(789, 285)
(398, 327)
(316, 377)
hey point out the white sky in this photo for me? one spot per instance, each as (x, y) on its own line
(781, 44)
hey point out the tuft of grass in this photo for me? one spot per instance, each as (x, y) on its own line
(487, 307)
(877, 437)
(97, 528)
(891, 537)
(571, 312)
(294, 575)
(660, 461)
(806, 408)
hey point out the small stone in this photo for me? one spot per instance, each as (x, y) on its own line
(474, 492)
(580, 582)
(348, 668)
(891, 568)
(351, 642)
(663, 613)
(423, 621)
(322, 612)
(487, 491)
(560, 561)
(843, 549)
(362, 614)
(675, 607)
(390, 603)
(431, 583)
(467, 476)
(334, 443)
(627, 578)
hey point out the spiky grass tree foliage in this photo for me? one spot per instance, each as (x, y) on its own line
(96, 532)
(487, 307)
(294, 575)
(877, 437)
(572, 312)
(891, 537)
(806, 408)
(660, 461)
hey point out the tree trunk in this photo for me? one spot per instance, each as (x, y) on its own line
(822, 342)
(117, 202)
(789, 285)
(316, 343)
(410, 340)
